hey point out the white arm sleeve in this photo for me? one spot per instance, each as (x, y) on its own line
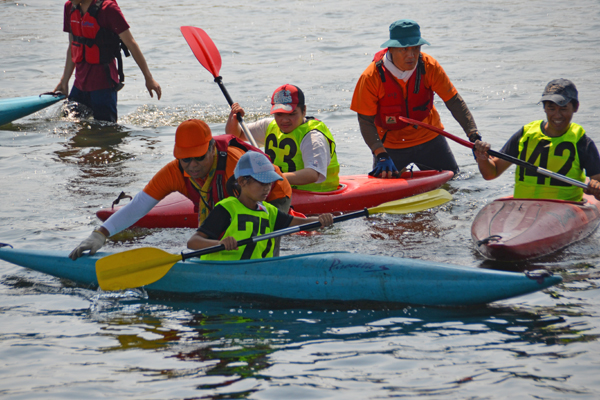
(126, 216)
(316, 153)
(258, 130)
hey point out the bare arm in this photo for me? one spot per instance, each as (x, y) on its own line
(594, 186)
(302, 177)
(490, 167)
(232, 127)
(325, 220)
(200, 240)
(63, 85)
(136, 52)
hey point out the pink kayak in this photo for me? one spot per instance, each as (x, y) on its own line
(510, 229)
(355, 193)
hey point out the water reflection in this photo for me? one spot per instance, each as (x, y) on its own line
(95, 148)
(231, 342)
(222, 342)
(406, 229)
(94, 143)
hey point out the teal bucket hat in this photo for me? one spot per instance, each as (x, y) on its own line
(405, 33)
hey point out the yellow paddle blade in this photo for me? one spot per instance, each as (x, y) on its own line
(134, 268)
(413, 204)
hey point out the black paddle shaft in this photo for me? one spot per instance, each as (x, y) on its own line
(219, 81)
(272, 235)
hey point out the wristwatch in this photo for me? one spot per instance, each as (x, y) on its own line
(474, 136)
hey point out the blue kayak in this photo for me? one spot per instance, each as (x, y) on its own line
(320, 277)
(19, 107)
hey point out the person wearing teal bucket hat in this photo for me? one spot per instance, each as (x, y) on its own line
(400, 82)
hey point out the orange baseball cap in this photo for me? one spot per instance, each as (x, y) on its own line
(192, 138)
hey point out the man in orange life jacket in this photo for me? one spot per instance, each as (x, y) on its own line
(200, 171)
(401, 81)
(97, 33)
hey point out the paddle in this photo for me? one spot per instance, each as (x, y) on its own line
(206, 52)
(144, 266)
(503, 156)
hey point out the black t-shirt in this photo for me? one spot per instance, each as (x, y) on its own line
(219, 219)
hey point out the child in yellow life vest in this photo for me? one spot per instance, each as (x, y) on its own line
(247, 214)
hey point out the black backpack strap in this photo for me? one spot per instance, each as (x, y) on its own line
(379, 66)
(93, 11)
(420, 72)
(221, 163)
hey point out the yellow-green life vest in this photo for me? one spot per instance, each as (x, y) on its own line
(284, 150)
(246, 223)
(556, 154)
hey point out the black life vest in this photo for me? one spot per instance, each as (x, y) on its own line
(95, 44)
(218, 189)
(417, 104)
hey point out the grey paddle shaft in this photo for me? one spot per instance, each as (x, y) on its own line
(219, 81)
(539, 170)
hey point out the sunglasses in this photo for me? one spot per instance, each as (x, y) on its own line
(197, 159)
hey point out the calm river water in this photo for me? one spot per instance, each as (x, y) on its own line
(60, 341)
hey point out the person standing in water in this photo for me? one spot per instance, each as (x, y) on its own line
(98, 32)
(401, 82)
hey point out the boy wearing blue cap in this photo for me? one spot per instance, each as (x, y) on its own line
(401, 82)
(247, 213)
(557, 145)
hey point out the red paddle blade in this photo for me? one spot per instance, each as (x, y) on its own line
(203, 48)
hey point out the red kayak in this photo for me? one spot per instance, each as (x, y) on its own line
(510, 229)
(355, 193)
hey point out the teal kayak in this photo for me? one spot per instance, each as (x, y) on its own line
(19, 107)
(320, 277)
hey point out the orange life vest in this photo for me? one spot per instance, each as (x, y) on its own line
(416, 105)
(218, 188)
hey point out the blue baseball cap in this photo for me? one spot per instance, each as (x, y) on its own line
(405, 33)
(258, 166)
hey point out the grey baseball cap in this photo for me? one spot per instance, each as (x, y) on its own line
(258, 166)
(560, 91)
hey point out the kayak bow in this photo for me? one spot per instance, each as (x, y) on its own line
(19, 107)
